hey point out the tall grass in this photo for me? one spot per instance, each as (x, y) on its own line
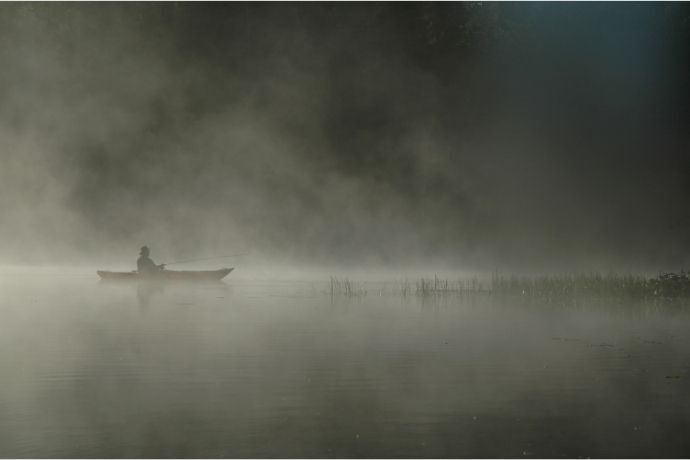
(438, 286)
(421, 287)
(594, 285)
(666, 285)
(345, 287)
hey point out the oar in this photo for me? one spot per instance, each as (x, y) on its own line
(206, 258)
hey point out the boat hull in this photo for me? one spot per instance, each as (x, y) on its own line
(167, 275)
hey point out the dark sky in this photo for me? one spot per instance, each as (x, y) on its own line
(501, 135)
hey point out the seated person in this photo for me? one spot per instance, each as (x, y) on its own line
(145, 264)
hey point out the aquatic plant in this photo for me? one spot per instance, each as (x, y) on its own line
(666, 285)
(405, 288)
(438, 286)
(432, 286)
(545, 287)
(345, 287)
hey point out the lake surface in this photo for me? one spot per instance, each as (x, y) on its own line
(261, 368)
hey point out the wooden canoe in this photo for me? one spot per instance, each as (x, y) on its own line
(167, 275)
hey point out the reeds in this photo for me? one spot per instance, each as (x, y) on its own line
(438, 286)
(666, 285)
(405, 288)
(422, 287)
(551, 287)
(345, 287)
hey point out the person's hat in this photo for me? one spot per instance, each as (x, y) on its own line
(144, 249)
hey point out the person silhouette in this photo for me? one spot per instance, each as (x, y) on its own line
(145, 264)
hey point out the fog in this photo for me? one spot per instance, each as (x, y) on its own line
(376, 173)
(266, 370)
(477, 136)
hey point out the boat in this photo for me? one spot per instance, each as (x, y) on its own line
(167, 275)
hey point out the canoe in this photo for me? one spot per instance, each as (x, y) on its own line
(167, 275)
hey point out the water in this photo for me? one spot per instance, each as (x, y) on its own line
(252, 368)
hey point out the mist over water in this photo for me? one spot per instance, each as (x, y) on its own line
(485, 136)
(375, 174)
(281, 369)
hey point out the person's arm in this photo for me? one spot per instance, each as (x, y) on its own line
(154, 266)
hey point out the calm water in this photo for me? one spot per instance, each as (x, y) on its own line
(280, 369)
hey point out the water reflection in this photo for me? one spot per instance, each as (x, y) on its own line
(281, 370)
(146, 291)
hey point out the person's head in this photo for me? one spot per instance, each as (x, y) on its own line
(144, 251)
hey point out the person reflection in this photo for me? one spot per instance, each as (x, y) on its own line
(145, 292)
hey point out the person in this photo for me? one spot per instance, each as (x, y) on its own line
(145, 264)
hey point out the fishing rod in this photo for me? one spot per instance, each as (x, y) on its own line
(206, 258)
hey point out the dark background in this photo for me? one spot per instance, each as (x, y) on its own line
(519, 136)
